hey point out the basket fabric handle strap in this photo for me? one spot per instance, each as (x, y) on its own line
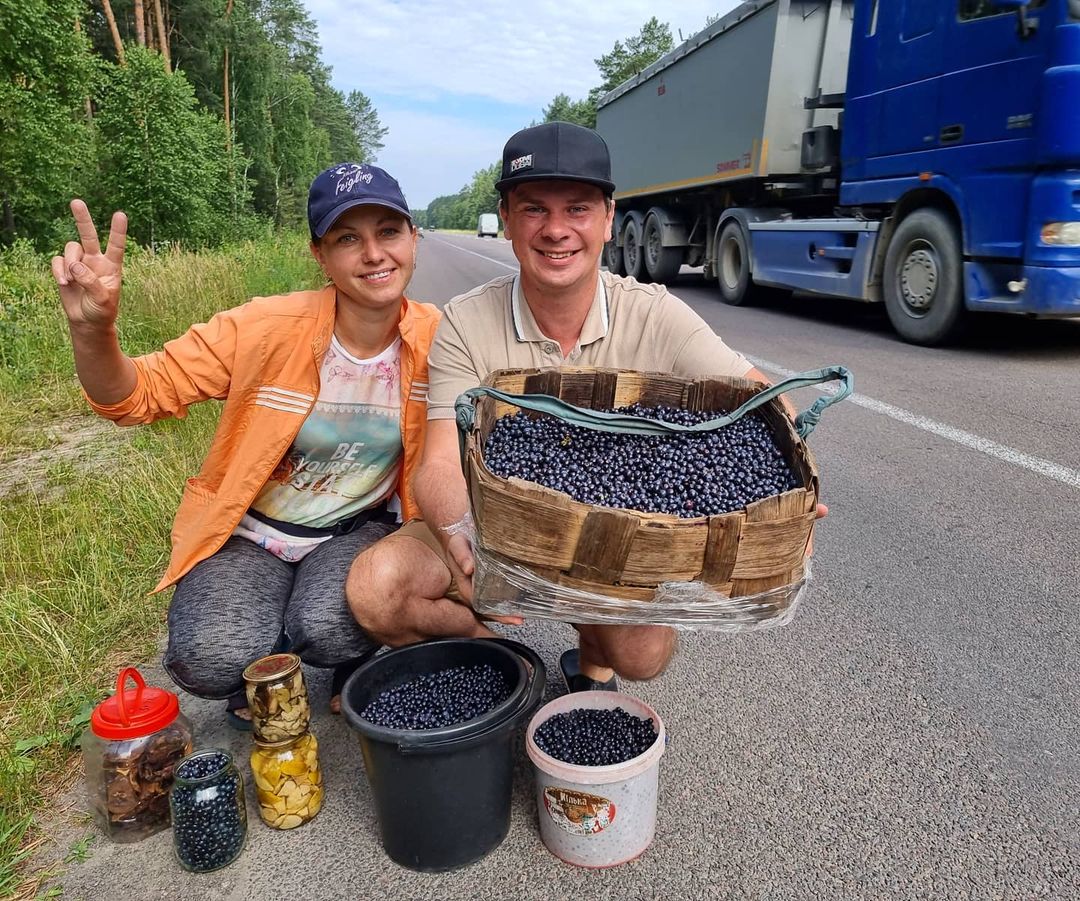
(601, 421)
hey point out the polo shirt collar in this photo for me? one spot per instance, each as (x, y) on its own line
(594, 328)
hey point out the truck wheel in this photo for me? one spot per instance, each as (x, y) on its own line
(613, 258)
(733, 265)
(662, 263)
(631, 250)
(924, 281)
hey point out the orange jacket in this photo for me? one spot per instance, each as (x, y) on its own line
(263, 360)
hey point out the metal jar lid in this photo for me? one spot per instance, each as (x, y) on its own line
(272, 668)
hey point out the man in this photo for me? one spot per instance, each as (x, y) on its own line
(557, 210)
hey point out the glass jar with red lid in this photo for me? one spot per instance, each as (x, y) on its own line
(134, 742)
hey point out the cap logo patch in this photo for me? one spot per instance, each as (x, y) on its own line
(349, 176)
(522, 162)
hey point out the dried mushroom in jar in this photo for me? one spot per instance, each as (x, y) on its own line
(136, 777)
(277, 698)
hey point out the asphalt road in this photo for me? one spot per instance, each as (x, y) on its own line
(912, 733)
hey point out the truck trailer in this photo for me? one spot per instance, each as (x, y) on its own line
(921, 153)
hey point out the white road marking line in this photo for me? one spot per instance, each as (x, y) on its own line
(1013, 457)
(475, 254)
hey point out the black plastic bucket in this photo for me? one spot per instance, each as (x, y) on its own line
(442, 796)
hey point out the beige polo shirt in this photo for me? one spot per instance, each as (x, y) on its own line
(629, 326)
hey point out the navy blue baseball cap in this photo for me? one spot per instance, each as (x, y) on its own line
(346, 185)
(556, 150)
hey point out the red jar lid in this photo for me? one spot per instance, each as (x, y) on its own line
(272, 668)
(133, 714)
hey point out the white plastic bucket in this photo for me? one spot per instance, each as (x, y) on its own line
(596, 816)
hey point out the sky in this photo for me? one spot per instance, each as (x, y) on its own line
(453, 79)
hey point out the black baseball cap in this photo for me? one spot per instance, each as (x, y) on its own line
(346, 185)
(556, 150)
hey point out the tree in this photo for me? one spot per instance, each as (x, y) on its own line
(162, 159)
(287, 120)
(626, 60)
(563, 109)
(162, 34)
(480, 195)
(365, 122)
(45, 73)
(462, 210)
(330, 116)
(287, 117)
(440, 211)
(140, 23)
(114, 31)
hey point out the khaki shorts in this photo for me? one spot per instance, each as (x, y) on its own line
(421, 531)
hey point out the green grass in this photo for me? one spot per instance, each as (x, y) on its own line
(85, 535)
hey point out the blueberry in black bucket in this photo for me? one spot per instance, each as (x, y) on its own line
(208, 813)
(442, 792)
(444, 698)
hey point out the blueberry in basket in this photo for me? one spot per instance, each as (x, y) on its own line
(683, 474)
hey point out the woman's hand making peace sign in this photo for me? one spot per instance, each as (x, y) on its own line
(89, 282)
(89, 279)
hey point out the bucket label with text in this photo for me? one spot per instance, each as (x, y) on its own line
(577, 812)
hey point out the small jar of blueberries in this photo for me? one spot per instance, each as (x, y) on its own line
(209, 816)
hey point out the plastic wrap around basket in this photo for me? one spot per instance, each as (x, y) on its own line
(624, 553)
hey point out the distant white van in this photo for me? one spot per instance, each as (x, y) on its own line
(488, 225)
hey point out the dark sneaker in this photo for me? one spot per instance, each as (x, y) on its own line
(570, 664)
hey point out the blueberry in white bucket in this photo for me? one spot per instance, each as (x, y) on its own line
(602, 813)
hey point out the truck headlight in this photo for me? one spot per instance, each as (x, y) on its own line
(1065, 234)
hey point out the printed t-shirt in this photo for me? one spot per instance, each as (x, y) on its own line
(345, 459)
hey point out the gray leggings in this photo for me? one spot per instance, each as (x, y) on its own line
(233, 607)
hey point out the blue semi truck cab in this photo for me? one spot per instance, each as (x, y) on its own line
(938, 173)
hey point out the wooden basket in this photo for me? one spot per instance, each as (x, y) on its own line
(623, 553)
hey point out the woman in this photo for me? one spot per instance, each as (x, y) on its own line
(323, 420)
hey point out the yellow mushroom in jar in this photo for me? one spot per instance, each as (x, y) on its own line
(295, 767)
(262, 783)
